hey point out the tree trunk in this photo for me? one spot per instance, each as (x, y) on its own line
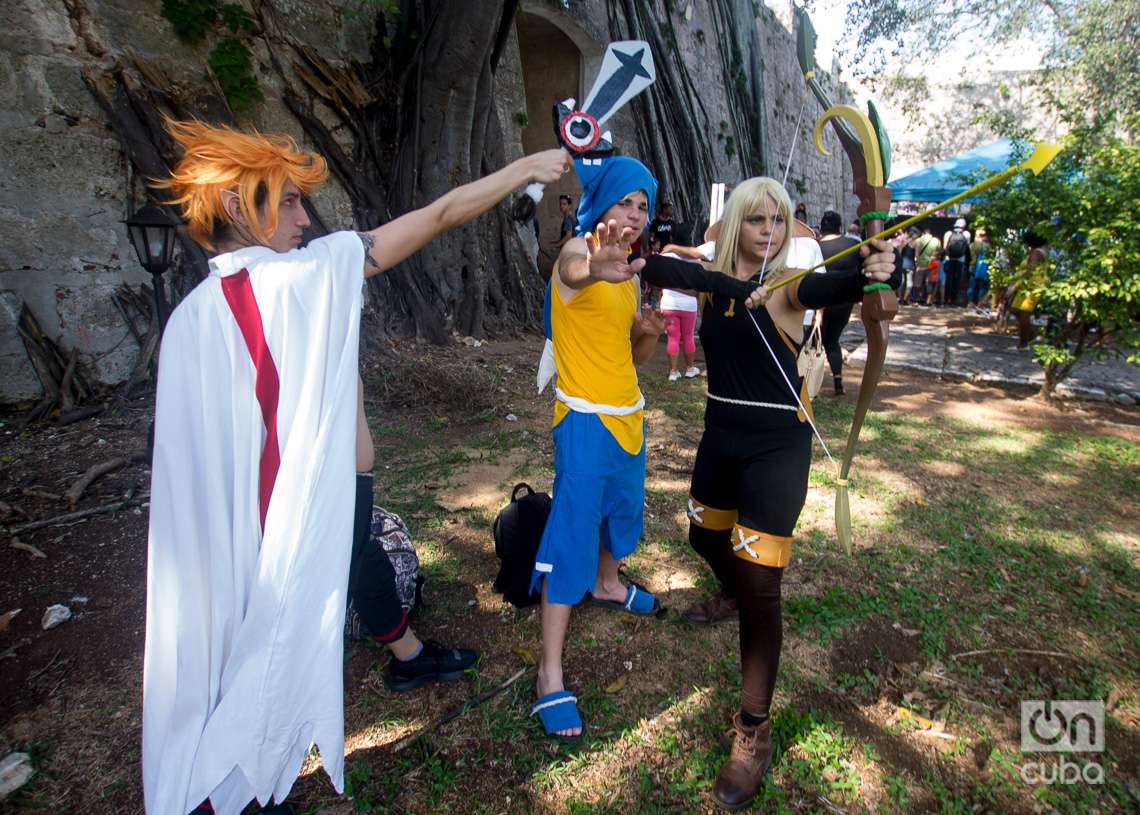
(677, 138)
(1049, 386)
(433, 128)
(422, 121)
(478, 277)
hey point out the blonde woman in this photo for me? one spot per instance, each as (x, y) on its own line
(750, 478)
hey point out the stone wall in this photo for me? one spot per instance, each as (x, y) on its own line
(821, 182)
(66, 185)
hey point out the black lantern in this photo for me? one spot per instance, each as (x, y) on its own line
(152, 234)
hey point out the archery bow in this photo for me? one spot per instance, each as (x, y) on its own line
(868, 151)
(1043, 153)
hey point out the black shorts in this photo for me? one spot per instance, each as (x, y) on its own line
(763, 475)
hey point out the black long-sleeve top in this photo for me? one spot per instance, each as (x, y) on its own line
(739, 366)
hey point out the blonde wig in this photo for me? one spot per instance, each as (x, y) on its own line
(253, 166)
(748, 199)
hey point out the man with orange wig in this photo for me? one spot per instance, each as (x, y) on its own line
(253, 479)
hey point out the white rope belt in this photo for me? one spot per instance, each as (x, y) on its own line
(579, 405)
(746, 403)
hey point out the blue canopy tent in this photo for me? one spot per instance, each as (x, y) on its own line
(944, 179)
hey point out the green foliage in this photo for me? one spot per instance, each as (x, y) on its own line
(232, 65)
(236, 18)
(1092, 47)
(191, 19)
(1083, 204)
(521, 119)
(230, 60)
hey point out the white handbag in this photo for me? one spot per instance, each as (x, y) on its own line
(812, 361)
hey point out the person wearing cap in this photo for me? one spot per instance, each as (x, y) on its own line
(597, 333)
(750, 477)
(957, 265)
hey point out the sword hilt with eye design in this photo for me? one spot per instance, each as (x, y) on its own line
(627, 69)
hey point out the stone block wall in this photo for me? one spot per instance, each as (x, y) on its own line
(66, 185)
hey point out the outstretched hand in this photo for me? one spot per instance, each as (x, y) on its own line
(607, 253)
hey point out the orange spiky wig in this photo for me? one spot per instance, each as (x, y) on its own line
(253, 166)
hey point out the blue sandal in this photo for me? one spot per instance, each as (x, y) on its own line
(558, 711)
(639, 601)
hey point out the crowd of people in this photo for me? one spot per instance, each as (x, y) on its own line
(261, 480)
(952, 272)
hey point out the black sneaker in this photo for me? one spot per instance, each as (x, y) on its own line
(435, 662)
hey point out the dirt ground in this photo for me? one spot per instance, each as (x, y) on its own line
(72, 694)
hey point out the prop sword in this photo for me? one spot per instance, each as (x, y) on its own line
(627, 69)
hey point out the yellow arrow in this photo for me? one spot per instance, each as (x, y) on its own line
(867, 137)
(1044, 153)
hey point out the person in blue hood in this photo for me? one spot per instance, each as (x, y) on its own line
(597, 333)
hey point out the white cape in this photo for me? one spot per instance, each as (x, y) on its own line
(243, 670)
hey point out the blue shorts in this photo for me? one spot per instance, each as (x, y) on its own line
(599, 495)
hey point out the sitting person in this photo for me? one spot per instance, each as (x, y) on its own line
(373, 594)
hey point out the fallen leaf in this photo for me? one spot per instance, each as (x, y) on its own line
(617, 684)
(15, 770)
(34, 551)
(7, 617)
(906, 632)
(525, 654)
(55, 615)
(922, 722)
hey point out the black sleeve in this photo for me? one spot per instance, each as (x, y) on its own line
(671, 273)
(837, 288)
(830, 289)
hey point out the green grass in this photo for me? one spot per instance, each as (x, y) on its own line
(976, 537)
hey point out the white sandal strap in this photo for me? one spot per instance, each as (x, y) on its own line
(544, 705)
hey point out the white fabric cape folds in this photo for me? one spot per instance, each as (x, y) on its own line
(243, 670)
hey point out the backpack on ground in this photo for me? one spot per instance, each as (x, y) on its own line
(518, 532)
(957, 246)
(390, 533)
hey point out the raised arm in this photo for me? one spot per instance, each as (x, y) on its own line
(672, 273)
(387, 245)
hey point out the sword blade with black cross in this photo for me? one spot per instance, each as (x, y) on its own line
(627, 69)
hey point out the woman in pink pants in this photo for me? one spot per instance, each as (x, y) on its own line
(680, 310)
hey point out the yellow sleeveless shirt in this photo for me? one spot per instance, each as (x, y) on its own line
(594, 356)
